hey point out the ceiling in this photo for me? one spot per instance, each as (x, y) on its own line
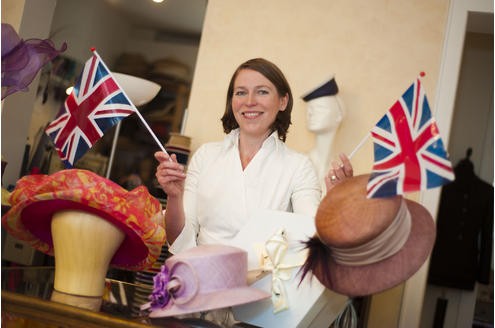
(180, 17)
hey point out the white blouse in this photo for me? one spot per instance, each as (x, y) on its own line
(220, 196)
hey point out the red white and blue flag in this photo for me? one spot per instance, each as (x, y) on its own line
(96, 104)
(409, 154)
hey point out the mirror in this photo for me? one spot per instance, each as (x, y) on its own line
(154, 42)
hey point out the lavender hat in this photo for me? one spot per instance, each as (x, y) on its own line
(22, 59)
(202, 278)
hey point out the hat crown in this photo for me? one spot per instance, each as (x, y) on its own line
(346, 218)
(328, 88)
(365, 246)
(208, 268)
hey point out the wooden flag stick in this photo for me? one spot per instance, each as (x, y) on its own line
(135, 109)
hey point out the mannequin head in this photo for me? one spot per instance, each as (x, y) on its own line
(325, 110)
(324, 114)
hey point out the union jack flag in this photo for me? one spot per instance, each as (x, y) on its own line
(409, 154)
(95, 105)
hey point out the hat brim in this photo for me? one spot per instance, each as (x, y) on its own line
(211, 301)
(373, 278)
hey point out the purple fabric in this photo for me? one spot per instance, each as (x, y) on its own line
(22, 59)
(160, 295)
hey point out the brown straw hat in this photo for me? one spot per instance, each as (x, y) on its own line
(365, 246)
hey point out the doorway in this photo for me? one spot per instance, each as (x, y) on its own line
(446, 305)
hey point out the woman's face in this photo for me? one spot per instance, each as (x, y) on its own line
(256, 102)
(323, 114)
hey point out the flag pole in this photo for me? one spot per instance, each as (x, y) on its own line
(133, 106)
(112, 150)
(361, 143)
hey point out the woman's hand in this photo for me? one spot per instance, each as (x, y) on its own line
(170, 174)
(338, 172)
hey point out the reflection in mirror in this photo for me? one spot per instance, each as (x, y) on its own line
(146, 41)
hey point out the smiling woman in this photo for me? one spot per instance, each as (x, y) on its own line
(251, 169)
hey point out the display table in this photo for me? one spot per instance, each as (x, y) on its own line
(26, 303)
(26, 293)
(19, 308)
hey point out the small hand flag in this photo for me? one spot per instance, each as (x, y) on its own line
(96, 104)
(409, 154)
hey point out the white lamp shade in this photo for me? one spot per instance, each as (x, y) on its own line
(139, 91)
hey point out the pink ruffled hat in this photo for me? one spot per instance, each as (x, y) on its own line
(37, 197)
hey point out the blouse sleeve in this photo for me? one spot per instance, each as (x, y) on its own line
(187, 238)
(307, 193)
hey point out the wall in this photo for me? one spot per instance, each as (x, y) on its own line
(374, 48)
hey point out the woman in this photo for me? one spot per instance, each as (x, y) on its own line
(251, 168)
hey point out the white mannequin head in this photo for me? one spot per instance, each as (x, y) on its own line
(324, 114)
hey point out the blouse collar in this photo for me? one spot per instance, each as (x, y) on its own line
(232, 139)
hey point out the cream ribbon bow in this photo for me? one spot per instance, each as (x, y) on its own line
(275, 260)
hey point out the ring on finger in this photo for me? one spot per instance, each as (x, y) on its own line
(333, 178)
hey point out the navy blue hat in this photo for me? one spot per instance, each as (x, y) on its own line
(328, 88)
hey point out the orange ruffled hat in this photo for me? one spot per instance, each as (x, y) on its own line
(37, 197)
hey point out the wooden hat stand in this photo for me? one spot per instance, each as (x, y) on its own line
(84, 245)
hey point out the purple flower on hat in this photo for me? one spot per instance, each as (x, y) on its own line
(160, 295)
